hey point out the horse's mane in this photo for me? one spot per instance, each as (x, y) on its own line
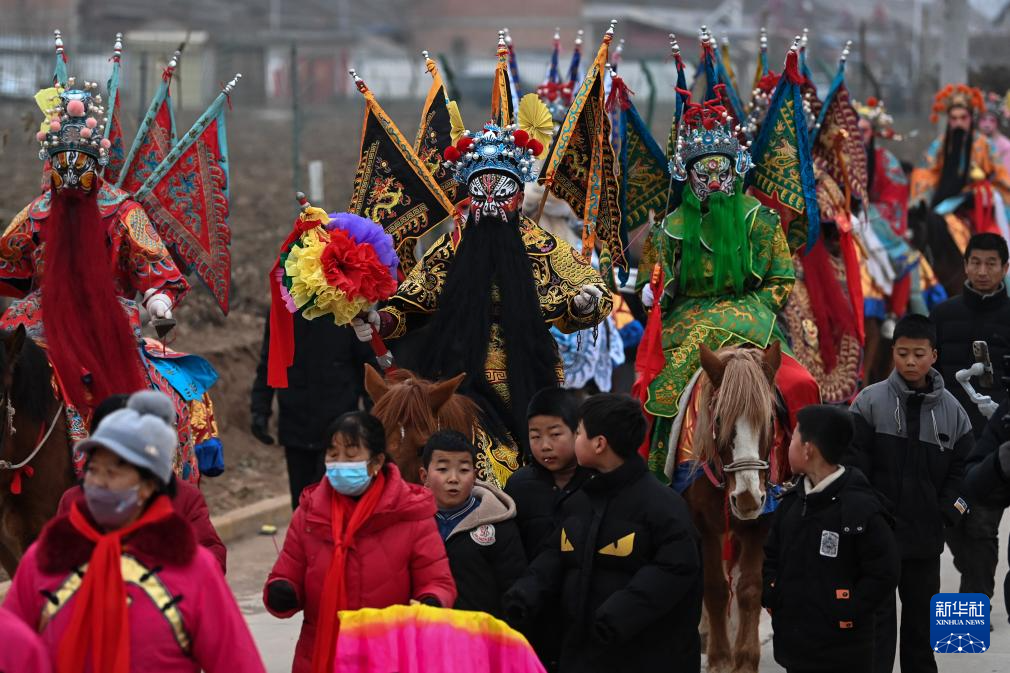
(406, 405)
(31, 391)
(743, 393)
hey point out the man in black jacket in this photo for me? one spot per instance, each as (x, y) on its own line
(980, 313)
(625, 561)
(987, 471)
(830, 557)
(325, 380)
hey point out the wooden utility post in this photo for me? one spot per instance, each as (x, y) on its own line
(954, 66)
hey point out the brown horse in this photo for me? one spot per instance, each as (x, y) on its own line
(733, 441)
(35, 457)
(411, 409)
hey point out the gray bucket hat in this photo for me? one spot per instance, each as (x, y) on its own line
(143, 434)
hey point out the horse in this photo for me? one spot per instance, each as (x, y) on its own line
(411, 409)
(36, 465)
(734, 442)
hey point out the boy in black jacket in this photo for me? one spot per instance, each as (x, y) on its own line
(625, 561)
(539, 489)
(911, 441)
(830, 557)
(476, 521)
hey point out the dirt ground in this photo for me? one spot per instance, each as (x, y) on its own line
(262, 210)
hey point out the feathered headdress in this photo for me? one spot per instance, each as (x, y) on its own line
(707, 128)
(875, 112)
(957, 95)
(506, 145)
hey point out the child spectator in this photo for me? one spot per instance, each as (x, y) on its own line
(540, 487)
(625, 561)
(830, 557)
(387, 549)
(911, 440)
(477, 522)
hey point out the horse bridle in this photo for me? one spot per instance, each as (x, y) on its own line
(717, 476)
(9, 431)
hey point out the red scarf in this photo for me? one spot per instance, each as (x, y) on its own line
(281, 350)
(334, 599)
(100, 621)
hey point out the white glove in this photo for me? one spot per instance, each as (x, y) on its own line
(158, 305)
(648, 298)
(587, 299)
(363, 328)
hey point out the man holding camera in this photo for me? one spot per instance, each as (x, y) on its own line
(980, 313)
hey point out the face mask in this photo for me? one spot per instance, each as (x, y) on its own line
(112, 509)
(712, 174)
(349, 478)
(493, 196)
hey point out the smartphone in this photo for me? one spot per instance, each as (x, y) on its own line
(981, 351)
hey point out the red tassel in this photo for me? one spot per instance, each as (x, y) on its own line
(28, 471)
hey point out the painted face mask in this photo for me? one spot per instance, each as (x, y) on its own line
(73, 170)
(710, 174)
(493, 196)
(112, 509)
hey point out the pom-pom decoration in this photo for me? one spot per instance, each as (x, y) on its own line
(536, 147)
(338, 269)
(464, 144)
(75, 108)
(451, 154)
(521, 138)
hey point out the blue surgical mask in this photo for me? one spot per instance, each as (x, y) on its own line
(349, 478)
(112, 509)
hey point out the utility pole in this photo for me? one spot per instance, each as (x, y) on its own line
(954, 67)
(296, 122)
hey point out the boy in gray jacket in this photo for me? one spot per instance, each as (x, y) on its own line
(911, 440)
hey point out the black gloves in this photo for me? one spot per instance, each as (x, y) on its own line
(281, 596)
(260, 429)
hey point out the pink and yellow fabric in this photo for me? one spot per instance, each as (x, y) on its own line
(423, 639)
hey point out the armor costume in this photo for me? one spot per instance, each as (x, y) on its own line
(79, 255)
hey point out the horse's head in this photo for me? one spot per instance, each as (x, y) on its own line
(735, 430)
(411, 409)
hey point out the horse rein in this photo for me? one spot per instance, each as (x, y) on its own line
(11, 431)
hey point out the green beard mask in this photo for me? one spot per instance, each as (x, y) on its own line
(725, 226)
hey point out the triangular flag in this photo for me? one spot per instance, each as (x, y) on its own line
(783, 175)
(155, 136)
(503, 105)
(579, 168)
(435, 134)
(186, 196)
(117, 153)
(60, 71)
(645, 172)
(392, 186)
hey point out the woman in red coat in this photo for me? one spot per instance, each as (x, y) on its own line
(389, 549)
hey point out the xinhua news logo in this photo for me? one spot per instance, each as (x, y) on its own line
(959, 623)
